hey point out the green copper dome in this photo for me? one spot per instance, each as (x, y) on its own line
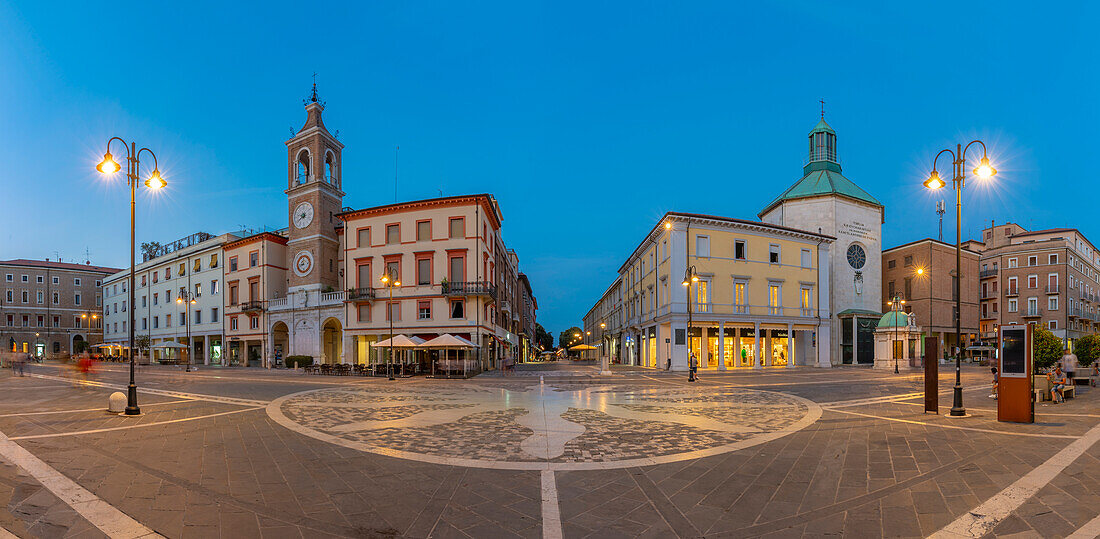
(822, 126)
(893, 319)
(821, 176)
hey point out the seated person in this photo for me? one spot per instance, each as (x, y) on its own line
(1057, 384)
(996, 379)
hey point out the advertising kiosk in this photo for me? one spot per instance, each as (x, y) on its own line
(1015, 398)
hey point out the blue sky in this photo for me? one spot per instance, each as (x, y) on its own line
(588, 120)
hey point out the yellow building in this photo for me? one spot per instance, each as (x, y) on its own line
(755, 299)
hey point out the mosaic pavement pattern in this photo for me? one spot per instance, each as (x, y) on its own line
(541, 423)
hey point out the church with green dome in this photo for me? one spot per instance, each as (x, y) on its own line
(825, 201)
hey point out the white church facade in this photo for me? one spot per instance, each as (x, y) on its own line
(825, 202)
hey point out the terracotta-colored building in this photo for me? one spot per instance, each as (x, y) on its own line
(923, 274)
(1048, 277)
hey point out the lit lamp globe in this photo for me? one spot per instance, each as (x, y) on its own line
(984, 169)
(934, 182)
(155, 181)
(108, 165)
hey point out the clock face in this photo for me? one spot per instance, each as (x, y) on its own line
(303, 215)
(303, 263)
(856, 256)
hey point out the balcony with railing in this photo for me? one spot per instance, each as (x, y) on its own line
(252, 306)
(1032, 312)
(1053, 288)
(1012, 291)
(988, 295)
(470, 288)
(332, 298)
(985, 274)
(277, 304)
(986, 315)
(1073, 312)
(359, 294)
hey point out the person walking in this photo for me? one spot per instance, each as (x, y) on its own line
(1069, 365)
(693, 368)
(21, 363)
(1094, 373)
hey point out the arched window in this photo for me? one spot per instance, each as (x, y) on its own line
(302, 174)
(330, 168)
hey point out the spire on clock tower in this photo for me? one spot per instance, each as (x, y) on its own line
(314, 197)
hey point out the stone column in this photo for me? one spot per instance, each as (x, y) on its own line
(756, 346)
(662, 348)
(347, 357)
(855, 340)
(790, 345)
(721, 346)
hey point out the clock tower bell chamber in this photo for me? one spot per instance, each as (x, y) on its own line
(314, 198)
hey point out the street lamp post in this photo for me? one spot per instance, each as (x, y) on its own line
(185, 298)
(605, 359)
(985, 171)
(895, 305)
(109, 166)
(84, 316)
(390, 281)
(690, 276)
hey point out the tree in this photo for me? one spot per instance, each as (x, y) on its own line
(141, 342)
(1047, 348)
(543, 338)
(150, 249)
(568, 337)
(1087, 349)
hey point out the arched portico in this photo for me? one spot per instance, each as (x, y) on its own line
(76, 344)
(332, 335)
(280, 342)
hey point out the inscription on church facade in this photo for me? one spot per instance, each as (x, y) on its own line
(858, 230)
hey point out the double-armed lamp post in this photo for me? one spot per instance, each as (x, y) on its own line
(984, 171)
(690, 276)
(186, 299)
(390, 282)
(895, 305)
(108, 167)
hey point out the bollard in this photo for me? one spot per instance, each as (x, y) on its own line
(116, 403)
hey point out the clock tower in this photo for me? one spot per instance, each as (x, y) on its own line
(313, 198)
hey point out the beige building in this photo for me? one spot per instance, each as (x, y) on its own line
(255, 273)
(456, 274)
(1046, 277)
(923, 274)
(50, 308)
(757, 301)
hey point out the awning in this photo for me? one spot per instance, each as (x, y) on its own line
(400, 341)
(167, 345)
(447, 341)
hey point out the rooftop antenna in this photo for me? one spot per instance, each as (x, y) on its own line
(395, 150)
(941, 207)
(87, 255)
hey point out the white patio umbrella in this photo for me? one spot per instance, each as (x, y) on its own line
(400, 341)
(447, 341)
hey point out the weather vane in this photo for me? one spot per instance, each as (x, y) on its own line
(313, 93)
